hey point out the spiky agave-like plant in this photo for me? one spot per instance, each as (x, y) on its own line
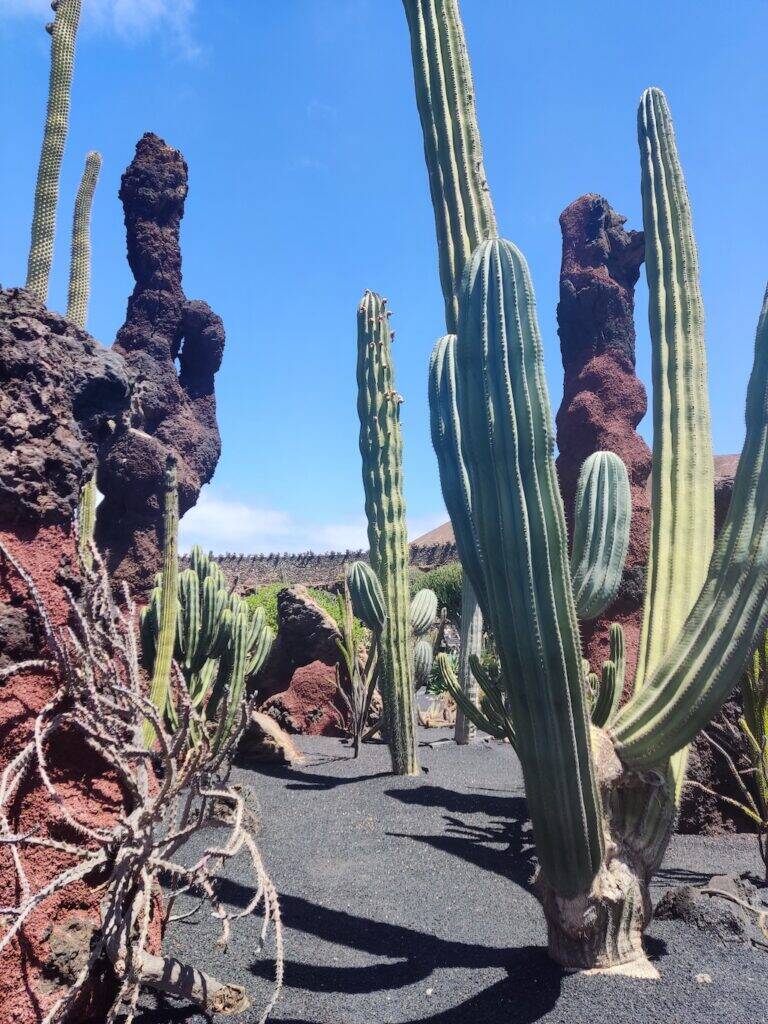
(602, 799)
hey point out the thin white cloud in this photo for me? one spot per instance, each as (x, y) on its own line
(220, 525)
(128, 19)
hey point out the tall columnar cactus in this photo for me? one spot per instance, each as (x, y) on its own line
(521, 547)
(80, 261)
(682, 478)
(618, 777)
(169, 603)
(461, 200)
(378, 406)
(63, 33)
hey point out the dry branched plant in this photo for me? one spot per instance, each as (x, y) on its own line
(171, 793)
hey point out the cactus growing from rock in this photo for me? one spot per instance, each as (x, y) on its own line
(80, 260)
(169, 600)
(586, 783)
(63, 32)
(378, 406)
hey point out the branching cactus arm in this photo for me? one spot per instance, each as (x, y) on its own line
(706, 662)
(682, 479)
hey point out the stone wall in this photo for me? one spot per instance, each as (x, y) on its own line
(248, 573)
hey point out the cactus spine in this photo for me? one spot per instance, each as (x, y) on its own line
(378, 406)
(63, 33)
(80, 262)
(169, 603)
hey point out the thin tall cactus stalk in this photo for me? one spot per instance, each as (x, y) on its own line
(461, 199)
(63, 34)
(169, 601)
(381, 448)
(80, 260)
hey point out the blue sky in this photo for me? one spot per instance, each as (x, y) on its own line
(308, 185)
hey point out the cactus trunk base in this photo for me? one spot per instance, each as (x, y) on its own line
(602, 930)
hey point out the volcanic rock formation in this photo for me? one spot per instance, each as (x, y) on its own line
(298, 681)
(603, 398)
(62, 404)
(172, 348)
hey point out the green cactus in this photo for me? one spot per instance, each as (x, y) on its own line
(423, 658)
(220, 642)
(601, 532)
(682, 479)
(378, 406)
(366, 596)
(80, 261)
(167, 605)
(491, 426)
(463, 209)
(520, 541)
(445, 96)
(86, 520)
(423, 612)
(470, 644)
(63, 34)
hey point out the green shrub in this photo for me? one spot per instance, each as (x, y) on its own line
(446, 583)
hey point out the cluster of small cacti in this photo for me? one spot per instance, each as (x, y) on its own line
(216, 639)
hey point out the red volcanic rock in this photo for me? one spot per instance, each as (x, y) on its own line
(172, 410)
(603, 399)
(305, 633)
(310, 705)
(61, 405)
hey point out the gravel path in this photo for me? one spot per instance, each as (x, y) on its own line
(406, 900)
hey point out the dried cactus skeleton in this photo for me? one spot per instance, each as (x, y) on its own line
(101, 697)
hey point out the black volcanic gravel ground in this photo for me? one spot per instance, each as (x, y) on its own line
(405, 900)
